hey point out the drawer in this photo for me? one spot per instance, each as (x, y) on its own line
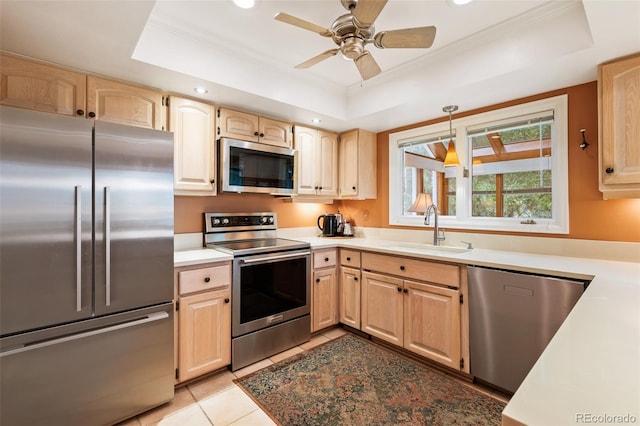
(422, 270)
(350, 258)
(324, 258)
(204, 279)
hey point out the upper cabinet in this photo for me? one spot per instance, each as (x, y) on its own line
(121, 103)
(619, 138)
(250, 127)
(193, 127)
(317, 161)
(358, 165)
(40, 87)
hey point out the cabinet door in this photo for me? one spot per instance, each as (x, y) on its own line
(432, 322)
(120, 103)
(325, 299)
(274, 132)
(349, 164)
(619, 90)
(193, 127)
(350, 297)
(31, 85)
(237, 125)
(205, 333)
(382, 307)
(327, 163)
(305, 144)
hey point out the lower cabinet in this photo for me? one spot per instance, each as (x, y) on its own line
(350, 296)
(204, 320)
(324, 292)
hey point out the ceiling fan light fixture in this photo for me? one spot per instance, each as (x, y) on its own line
(244, 4)
(451, 159)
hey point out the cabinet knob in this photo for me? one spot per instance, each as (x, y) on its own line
(92, 114)
(226, 300)
(609, 170)
(353, 187)
(326, 259)
(256, 134)
(207, 279)
(399, 289)
(212, 181)
(405, 291)
(402, 268)
(262, 135)
(348, 259)
(355, 278)
(80, 112)
(320, 188)
(317, 280)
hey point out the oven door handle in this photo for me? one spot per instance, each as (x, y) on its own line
(278, 257)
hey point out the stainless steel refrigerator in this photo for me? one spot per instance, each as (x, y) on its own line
(86, 269)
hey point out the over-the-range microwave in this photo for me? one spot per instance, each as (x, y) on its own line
(256, 167)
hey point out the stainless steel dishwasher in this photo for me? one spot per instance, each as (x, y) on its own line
(512, 318)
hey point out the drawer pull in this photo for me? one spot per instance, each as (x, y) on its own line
(326, 259)
(348, 259)
(207, 279)
(402, 268)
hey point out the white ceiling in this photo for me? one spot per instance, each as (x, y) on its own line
(487, 52)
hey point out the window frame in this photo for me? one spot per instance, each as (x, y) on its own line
(559, 221)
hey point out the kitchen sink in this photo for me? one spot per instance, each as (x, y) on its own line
(428, 248)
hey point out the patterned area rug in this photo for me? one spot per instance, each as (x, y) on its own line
(351, 381)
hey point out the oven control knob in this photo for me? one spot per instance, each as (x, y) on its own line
(216, 221)
(266, 220)
(225, 221)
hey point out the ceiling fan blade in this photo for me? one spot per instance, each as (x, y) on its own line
(301, 23)
(366, 11)
(408, 37)
(318, 58)
(367, 66)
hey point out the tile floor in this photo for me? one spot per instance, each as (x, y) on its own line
(216, 400)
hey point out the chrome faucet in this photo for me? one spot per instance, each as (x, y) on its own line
(436, 230)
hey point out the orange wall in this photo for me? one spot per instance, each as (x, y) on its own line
(590, 218)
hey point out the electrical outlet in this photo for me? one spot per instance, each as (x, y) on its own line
(365, 215)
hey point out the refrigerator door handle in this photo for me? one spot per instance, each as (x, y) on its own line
(107, 243)
(78, 248)
(155, 316)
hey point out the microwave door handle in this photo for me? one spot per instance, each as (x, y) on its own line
(278, 257)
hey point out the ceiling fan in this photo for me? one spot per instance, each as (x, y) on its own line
(354, 30)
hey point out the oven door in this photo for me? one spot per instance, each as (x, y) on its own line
(269, 289)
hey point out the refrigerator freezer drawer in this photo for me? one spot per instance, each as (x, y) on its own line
(96, 376)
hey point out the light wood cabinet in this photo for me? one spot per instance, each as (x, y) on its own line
(121, 103)
(41, 87)
(253, 128)
(317, 161)
(203, 329)
(324, 294)
(619, 138)
(358, 165)
(193, 127)
(424, 317)
(350, 291)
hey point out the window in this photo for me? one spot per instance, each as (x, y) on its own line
(512, 177)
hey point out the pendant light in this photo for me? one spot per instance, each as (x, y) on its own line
(451, 158)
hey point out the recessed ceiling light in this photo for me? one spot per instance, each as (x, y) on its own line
(458, 2)
(201, 90)
(316, 120)
(245, 4)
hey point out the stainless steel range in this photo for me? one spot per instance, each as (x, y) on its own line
(271, 293)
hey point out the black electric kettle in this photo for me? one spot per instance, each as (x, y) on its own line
(329, 225)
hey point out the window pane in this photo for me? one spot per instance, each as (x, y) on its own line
(409, 193)
(512, 170)
(451, 196)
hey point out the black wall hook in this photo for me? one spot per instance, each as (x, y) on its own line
(584, 143)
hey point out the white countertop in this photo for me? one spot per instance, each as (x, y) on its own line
(590, 371)
(198, 256)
